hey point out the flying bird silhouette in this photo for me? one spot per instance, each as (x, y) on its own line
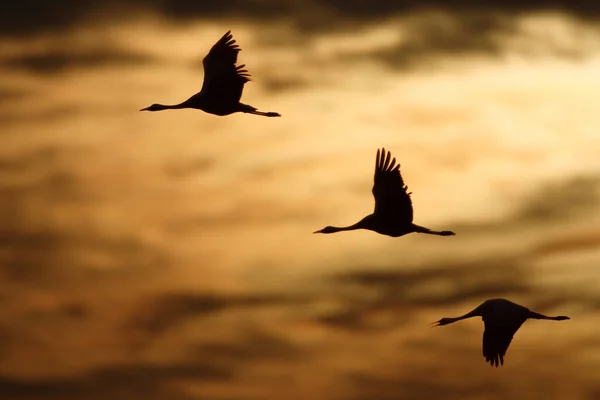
(393, 214)
(502, 319)
(223, 83)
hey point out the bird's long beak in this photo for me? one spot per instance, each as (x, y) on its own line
(145, 109)
(434, 324)
(319, 231)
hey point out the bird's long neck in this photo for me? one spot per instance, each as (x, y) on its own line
(474, 313)
(172, 107)
(358, 225)
(535, 315)
(365, 223)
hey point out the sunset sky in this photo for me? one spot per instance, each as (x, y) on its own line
(170, 255)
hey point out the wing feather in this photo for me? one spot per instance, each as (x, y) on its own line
(223, 80)
(496, 340)
(392, 199)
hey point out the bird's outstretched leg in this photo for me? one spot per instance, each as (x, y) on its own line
(422, 229)
(534, 315)
(265, 114)
(252, 110)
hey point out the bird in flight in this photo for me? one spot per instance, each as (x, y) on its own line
(223, 83)
(502, 319)
(393, 214)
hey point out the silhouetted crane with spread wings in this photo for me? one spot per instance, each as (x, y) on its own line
(502, 319)
(393, 214)
(223, 83)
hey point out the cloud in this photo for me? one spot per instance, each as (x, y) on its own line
(188, 167)
(283, 84)
(42, 155)
(51, 113)
(255, 345)
(366, 292)
(552, 202)
(51, 256)
(167, 310)
(120, 382)
(11, 94)
(46, 252)
(572, 198)
(429, 36)
(56, 61)
(366, 296)
(31, 16)
(392, 386)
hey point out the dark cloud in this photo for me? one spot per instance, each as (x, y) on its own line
(152, 382)
(47, 115)
(552, 202)
(434, 36)
(254, 345)
(49, 253)
(49, 256)
(419, 386)
(283, 84)
(258, 212)
(11, 94)
(570, 242)
(31, 16)
(393, 291)
(62, 60)
(461, 28)
(572, 198)
(21, 162)
(503, 276)
(188, 167)
(166, 311)
(215, 362)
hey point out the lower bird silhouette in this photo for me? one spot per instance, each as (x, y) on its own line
(393, 214)
(502, 318)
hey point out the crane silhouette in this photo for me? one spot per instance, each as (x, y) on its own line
(393, 214)
(223, 83)
(502, 319)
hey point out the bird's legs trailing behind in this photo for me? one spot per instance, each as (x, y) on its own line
(422, 229)
(245, 108)
(535, 315)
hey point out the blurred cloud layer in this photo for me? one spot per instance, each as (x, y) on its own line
(170, 255)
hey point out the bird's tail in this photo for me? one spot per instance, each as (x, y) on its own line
(252, 110)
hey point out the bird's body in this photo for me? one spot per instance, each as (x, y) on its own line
(393, 214)
(502, 318)
(223, 84)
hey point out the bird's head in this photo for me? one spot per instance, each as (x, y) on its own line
(442, 322)
(154, 107)
(328, 229)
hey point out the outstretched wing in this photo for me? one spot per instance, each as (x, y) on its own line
(496, 340)
(392, 199)
(223, 80)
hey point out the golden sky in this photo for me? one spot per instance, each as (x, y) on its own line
(171, 255)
